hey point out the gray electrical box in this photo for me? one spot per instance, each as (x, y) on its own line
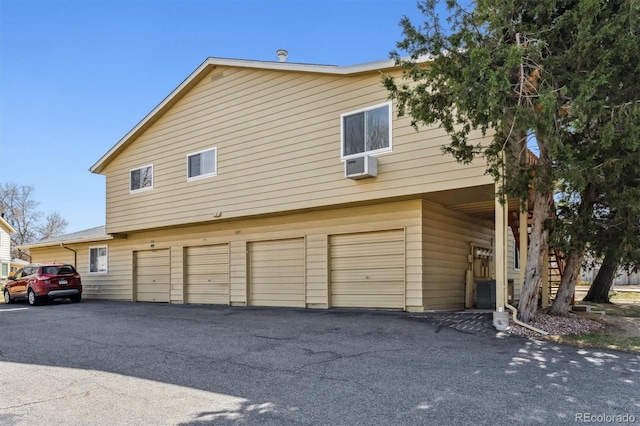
(486, 294)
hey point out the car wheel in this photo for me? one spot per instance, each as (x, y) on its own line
(33, 300)
(76, 298)
(7, 297)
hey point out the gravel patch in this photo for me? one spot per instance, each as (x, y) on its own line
(556, 326)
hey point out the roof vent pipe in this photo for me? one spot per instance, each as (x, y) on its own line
(282, 54)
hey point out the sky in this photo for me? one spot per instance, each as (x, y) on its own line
(76, 76)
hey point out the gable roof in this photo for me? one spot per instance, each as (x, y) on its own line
(210, 64)
(5, 225)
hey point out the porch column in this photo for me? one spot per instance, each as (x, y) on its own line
(500, 316)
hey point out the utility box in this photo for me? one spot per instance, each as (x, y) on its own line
(486, 294)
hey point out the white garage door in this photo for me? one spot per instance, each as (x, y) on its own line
(207, 274)
(277, 273)
(152, 275)
(367, 270)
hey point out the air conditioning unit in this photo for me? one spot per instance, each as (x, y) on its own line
(361, 167)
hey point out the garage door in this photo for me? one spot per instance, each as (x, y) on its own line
(207, 274)
(152, 276)
(277, 274)
(367, 270)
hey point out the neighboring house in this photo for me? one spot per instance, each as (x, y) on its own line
(234, 191)
(6, 231)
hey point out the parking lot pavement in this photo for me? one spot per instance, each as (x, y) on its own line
(106, 363)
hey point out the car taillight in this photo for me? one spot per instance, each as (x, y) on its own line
(43, 278)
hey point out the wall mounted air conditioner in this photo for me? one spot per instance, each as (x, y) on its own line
(361, 167)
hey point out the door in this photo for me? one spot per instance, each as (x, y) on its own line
(207, 274)
(152, 275)
(367, 270)
(277, 273)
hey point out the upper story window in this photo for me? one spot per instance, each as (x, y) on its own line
(202, 164)
(366, 131)
(141, 179)
(98, 260)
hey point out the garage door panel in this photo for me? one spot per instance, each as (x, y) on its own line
(274, 271)
(206, 280)
(372, 276)
(207, 274)
(358, 301)
(274, 264)
(203, 261)
(152, 275)
(367, 237)
(208, 269)
(380, 290)
(367, 269)
(277, 273)
(355, 263)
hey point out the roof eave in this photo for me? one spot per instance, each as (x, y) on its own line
(6, 225)
(65, 242)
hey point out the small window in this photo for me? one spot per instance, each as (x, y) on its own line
(516, 256)
(98, 260)
(5, 270)
(202, 164)
(141, 179)
(366, 131)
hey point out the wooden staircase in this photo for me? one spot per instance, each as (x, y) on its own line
(556, 259)
(556, 270)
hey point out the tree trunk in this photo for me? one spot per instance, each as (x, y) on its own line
(562, 303)
(599, 290)
(542, 205)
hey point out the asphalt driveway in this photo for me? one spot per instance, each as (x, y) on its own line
(106, 363)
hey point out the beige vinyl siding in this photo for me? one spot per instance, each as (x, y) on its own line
(367, 270)
(315, 228)
(447, 236)
(207, 274)
(277, 273)
(151, 275)
(278, 140)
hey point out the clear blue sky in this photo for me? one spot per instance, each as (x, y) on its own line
(76, 76)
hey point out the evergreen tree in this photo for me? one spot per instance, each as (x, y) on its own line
(564, 71)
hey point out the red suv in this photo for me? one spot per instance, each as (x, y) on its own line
(47, 281)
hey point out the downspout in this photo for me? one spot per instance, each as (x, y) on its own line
(75, 254)
(514, 311)
(499, 316)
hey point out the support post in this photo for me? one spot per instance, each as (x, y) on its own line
(501, 316)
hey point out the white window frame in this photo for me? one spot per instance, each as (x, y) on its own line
(99, 272)
(8, 269)
(516, 255)
(371, 152)
(204, 175)
(146, 188)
